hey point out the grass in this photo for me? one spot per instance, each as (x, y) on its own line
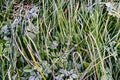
(59, 40)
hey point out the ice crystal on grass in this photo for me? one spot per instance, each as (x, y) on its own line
(33, 12)
(113, 9)
(64, 73)
(15, 22)
(4, 29)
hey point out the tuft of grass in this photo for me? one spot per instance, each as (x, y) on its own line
(59, 40)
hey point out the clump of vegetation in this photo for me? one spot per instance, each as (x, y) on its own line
(59, 40)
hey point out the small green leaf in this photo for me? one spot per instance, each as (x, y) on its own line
(2, 41)
(27, 68)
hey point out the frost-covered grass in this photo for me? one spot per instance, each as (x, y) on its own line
(60, 40)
